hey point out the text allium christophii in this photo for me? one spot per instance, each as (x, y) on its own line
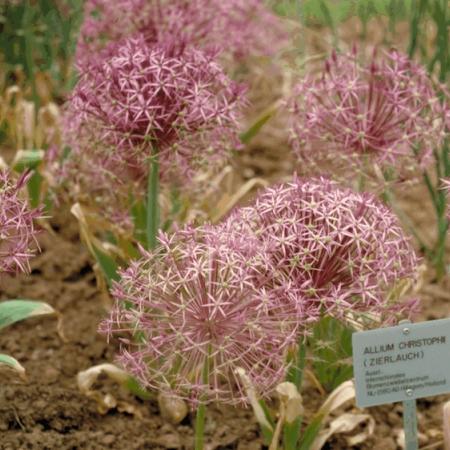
(194, 303)
(341, 253)
(17, 231)
(355, 115)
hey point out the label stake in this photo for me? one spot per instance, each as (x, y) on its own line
(410, 425)
(409, 411)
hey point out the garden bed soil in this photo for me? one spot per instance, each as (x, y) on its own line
(47, 411)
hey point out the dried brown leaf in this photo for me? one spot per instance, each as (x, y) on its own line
(345, 424)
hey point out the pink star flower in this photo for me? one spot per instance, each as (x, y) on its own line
(341, 253)
(143, 98)
(355, 115)
(17, 231)
(182, 103)
(195, 304)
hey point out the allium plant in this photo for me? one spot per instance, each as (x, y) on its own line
(17, 231)
(195, 312)
(212, 302)
(355, 115)
(238, 27)
(197, 309)
(340, 252)
(17, 246)
(151, 113)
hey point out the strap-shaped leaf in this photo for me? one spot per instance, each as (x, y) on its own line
(255, 128)
(9, 361)
(27, 159)
(12, 311)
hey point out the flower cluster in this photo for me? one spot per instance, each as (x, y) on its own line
(145, 99)
(196, 315)
(341, 253)
(154, 96)
(354, 115)
(238, 27)
(17, 232)
(212, 300)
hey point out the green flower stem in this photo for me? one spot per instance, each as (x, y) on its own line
(152, 200)
(291, 431)
(28, 41)
(201, 413)
(418, 10)
(200, 427)
(295, 373)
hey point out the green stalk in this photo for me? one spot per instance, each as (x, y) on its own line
(201, 412)
(439, 258)
(295, 373)
(152, 200)
(200, 427)
(418, 8)
(440, 13)
(291, 431)
(27, 24)
(330, 22)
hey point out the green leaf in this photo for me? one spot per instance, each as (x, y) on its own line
(342, 394)
(34, 189)
(9, 361)
(30, 160)
(107, 264)
(254, 129)
(311, 432)
(27, 159)
(12, 311)
(136, 389)
(331, 347)
(139, 214)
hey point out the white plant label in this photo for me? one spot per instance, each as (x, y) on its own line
(404, 362)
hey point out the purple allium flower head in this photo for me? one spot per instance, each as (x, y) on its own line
(144, 97)
(17, 232)
(385, 112)
(238, 27)
(341, 252)
(176, 100)
(195, 302)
